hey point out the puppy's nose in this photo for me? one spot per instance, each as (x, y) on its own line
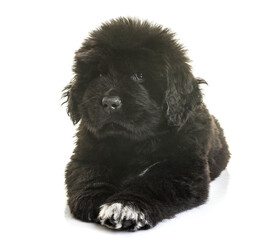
(111, 103)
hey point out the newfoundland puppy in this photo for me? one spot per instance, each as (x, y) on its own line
(147, 147)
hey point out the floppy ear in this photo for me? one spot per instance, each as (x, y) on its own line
(71, 93)
(74, 91)
(182, 95)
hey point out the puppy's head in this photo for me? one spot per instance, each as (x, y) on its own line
(132, 79)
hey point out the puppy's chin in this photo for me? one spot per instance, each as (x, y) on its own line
(113, 129)
(119, 130)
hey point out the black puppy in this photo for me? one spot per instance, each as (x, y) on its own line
(147, 147)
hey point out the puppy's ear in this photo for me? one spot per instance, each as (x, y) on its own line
(71, 93)
(182, 95)
(74, 91)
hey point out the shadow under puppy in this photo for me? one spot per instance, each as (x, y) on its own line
(147, 147)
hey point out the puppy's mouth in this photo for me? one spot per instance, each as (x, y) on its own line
(112, 126)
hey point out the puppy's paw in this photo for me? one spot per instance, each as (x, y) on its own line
(123, 217)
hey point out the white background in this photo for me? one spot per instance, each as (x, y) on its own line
(233, 46)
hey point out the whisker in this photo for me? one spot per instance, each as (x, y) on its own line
(201, 81)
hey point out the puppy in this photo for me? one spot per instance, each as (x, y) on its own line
(147, 147)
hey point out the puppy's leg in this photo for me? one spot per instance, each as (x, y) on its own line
(88, 187)
(219, 154)
(160, 192)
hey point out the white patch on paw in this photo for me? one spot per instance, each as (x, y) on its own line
(117, 212)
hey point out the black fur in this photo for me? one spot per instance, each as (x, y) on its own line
(159, 151)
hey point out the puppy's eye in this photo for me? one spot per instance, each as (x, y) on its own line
(138, 77)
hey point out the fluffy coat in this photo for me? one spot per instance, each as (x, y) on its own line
(147, 147)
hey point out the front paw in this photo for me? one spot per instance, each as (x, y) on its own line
(123, 217)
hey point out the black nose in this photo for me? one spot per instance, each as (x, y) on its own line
(111, 103)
